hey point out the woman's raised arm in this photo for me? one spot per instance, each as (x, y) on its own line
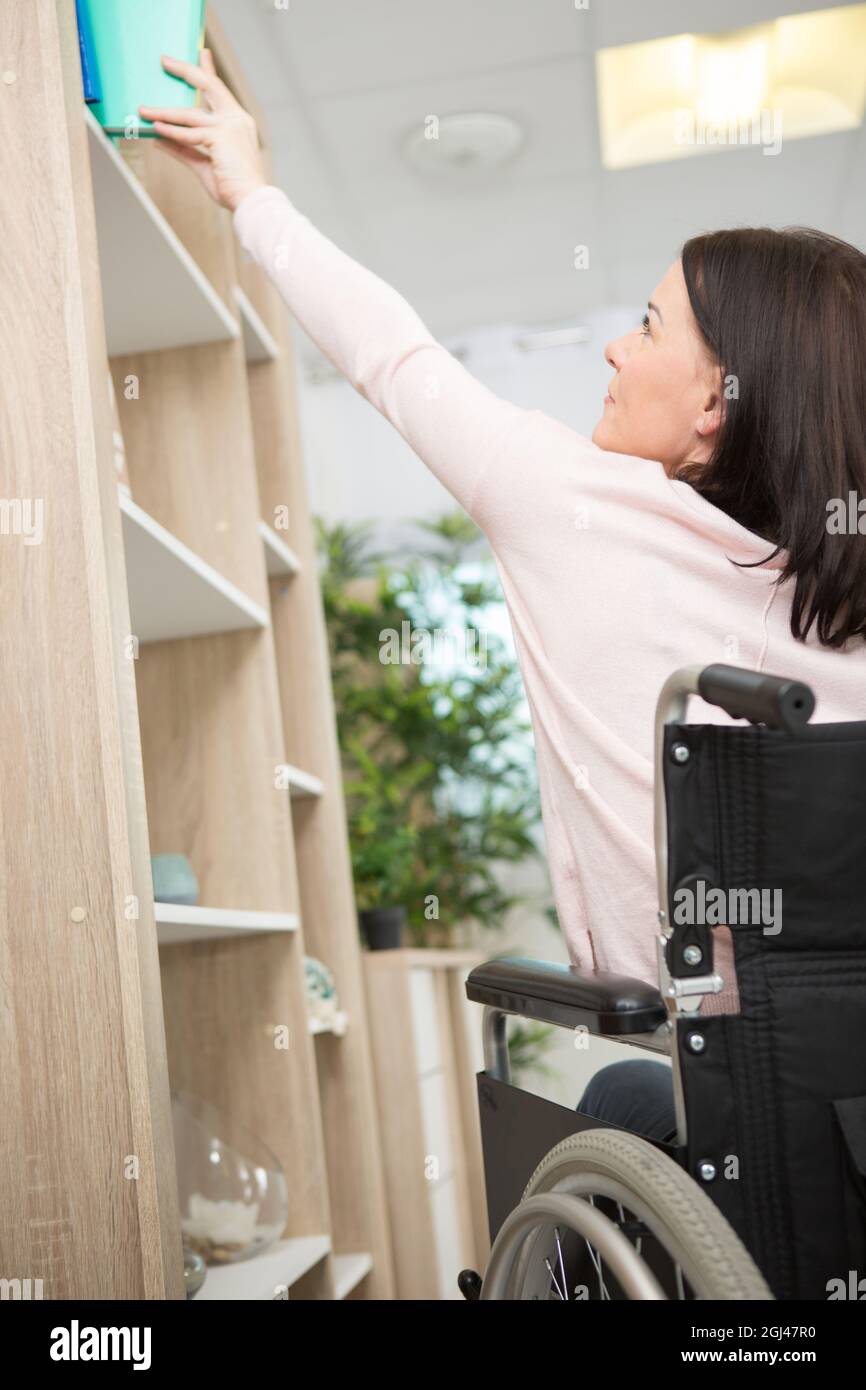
(362, 325)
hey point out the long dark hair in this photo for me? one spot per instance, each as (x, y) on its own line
(784, 314)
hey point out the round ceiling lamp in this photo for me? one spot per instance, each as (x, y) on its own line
(465, 145)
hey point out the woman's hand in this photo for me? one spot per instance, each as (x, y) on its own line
(218, 139)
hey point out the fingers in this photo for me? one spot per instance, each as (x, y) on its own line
(183, 135)
(178, 115)
(203, 79)
(207, 64)
(190, 72)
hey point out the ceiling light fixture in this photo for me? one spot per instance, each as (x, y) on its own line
(464, 145)
(791, 77)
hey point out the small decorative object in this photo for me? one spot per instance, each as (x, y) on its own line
(129, 38)
(383, 927)
(174, 880)
(323, 1005)
(234, 1198)
(194, 1271)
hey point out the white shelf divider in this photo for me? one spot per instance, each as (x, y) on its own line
(279, 557)
(259, 343)
(349, 1270)
(265, 1275)
(301, 783)
(154, 294)
(177, 923)
(337, 1026)
(172, 591)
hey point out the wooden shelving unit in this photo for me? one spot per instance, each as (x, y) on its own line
(349, 1270)
(176, 924)
(172, 592)
(431, 1135)
(182, 737)
(302, 783)
(259, 344)
(271, 1275)
(155, 295)
(280, 559)
(337, 1027)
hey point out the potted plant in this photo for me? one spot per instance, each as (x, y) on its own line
(383, 852)
(439, 777)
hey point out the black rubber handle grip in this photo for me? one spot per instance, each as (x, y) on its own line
(772, 700)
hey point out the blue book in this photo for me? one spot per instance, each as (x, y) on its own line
(89, 69)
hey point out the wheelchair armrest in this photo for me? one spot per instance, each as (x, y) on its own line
(614, 1005)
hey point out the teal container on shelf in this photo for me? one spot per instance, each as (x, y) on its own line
(129, 39)
(174, 879)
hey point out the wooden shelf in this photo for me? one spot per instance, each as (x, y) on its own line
(337, 1027)
(279, 558)
(181, 747)
(262, 1277)
(154, 294)
(302, 784)
(259, 343)
(173, 592)
(177, 923)
(349, 1270)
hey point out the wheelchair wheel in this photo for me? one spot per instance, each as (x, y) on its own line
(607, 1215)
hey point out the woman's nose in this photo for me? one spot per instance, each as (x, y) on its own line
(617, 351)
(614, 353)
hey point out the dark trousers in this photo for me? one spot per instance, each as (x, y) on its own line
(636, 1095)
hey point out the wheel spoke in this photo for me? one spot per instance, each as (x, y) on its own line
(561, 1261)
(551, 1272)
(630, 1225)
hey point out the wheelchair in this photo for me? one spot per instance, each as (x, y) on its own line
(762, 1193)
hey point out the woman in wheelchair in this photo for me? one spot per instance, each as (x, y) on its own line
(716, 515)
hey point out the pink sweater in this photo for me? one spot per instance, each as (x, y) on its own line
(613, 574)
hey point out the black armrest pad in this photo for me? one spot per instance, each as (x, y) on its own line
(559, 994)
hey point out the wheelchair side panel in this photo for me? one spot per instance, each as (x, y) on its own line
(517, 1130)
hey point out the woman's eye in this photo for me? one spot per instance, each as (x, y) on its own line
(645, 324)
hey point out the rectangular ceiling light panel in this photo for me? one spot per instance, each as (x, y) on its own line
(692, 93)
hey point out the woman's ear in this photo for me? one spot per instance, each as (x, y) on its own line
(711, 417)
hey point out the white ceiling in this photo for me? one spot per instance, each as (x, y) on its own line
(342, 82)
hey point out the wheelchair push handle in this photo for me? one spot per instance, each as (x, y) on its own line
(772, 700)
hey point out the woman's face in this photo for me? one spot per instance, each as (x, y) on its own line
(665, 399)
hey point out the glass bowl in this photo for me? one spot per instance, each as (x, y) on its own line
(194, 1271)
(234, 1200)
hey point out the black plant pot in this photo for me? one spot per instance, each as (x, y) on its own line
(383, 927)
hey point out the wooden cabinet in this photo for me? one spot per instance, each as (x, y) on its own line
(427, 1050)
